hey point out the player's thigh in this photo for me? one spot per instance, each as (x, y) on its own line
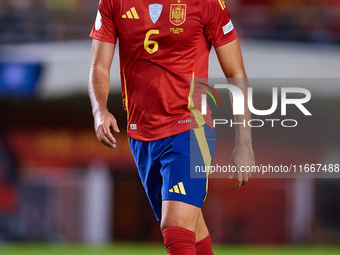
(179, 214)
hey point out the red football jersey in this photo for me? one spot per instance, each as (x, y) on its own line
(162, 46)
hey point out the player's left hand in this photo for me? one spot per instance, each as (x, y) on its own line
(242, 157)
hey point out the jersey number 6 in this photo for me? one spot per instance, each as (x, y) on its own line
(148, 42)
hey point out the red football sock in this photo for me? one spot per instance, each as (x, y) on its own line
(203, 247)
(179, 241)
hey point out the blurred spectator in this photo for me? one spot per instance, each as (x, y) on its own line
(8, 190)
(301, 20)
(23, 20)
(332, 17)
(11, 24)
(8, 161)
(316, 21)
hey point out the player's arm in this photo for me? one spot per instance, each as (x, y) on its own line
(99, 87)
(230, 58)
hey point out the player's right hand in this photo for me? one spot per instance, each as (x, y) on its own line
(104, 124)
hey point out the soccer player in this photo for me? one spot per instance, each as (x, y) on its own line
(163, 47)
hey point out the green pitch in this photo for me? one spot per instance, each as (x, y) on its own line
(158, 249)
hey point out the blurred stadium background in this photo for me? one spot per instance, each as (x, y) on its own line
(58, 185)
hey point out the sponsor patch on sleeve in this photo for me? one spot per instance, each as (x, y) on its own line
(228, 28)
(99, 21)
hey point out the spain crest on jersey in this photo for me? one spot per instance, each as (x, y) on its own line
(178, 14)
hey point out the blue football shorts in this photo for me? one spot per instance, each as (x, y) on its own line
(165, 166)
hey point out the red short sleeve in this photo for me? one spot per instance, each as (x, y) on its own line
(104, 28)
(218, 26)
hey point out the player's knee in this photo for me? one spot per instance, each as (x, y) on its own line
(179, 214)
(174, 223)
(164, 225)
(178, 222)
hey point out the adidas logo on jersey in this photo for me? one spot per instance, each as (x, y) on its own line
(178, 189)
(131, 14)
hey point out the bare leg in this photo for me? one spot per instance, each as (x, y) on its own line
(179, 214)
(183, 215)
(203, 240)
(201, 228)
(184, 229)
(178, 224)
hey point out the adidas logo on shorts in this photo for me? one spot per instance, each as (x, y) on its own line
(178, 189)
